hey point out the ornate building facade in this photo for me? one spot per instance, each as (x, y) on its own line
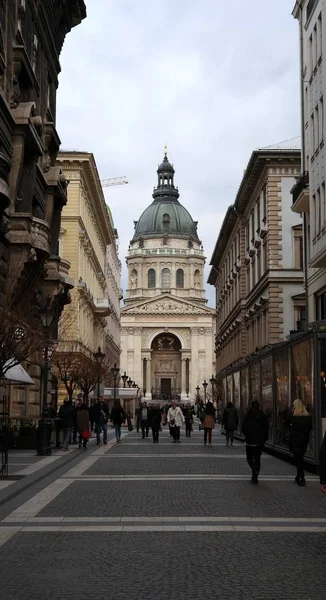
(257, 264)
(88, 241)
(167, 329)
(114, 292)
(33, 189)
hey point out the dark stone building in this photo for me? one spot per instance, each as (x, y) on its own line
(32, 187)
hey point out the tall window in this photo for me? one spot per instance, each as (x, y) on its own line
(151, 278)
(165, 278)
(180, 278)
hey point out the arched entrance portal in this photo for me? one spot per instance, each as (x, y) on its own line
(166, 367)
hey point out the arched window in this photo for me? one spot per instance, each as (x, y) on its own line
(165, 278)
(180, 277)
(151, 278)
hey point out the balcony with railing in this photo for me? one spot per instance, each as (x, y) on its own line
(300, 194)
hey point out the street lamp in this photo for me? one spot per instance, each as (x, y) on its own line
(99, 357)
(115, 373)
(45, 425)
(124, 378)
(205, 384)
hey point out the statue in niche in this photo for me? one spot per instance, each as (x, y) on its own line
(134, 280)
(197, 279)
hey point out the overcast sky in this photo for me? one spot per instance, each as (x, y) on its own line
(214, 79)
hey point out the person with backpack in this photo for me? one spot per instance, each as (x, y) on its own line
(255, 429)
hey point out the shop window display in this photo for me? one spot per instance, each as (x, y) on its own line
(229, 388)
(302, 355)
(236, 392)
(323, 384)
(255, 381)
(267, 391)
(244, 394)
(283, 397)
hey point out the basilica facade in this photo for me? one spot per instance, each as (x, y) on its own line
(167, 334)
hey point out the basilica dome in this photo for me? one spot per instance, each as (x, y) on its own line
(165, 216)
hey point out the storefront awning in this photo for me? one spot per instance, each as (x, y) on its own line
(17, 374)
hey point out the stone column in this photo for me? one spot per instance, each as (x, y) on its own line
(183, 378)
(148, 379)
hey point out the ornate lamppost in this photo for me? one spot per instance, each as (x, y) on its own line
(213, 382)
(205, 384)
(115, 374)
(99, 357)
(124, 378)
(45, 425)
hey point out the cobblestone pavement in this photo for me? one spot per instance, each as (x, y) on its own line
(165, 521)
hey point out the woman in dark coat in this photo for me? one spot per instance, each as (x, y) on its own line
(155, 422)
(117, 417)
(82, 418)
(300, 426)
(209, 422)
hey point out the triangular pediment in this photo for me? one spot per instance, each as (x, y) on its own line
(166, 305)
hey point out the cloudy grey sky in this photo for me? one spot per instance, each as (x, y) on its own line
(214, 79)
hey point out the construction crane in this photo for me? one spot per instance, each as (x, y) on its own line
(114, 181)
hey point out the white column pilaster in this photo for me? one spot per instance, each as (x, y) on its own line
(148, 378)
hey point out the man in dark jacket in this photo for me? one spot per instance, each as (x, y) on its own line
(101, 417)
(230, 422)
(255, 429)
(322, 466)
(67, 414)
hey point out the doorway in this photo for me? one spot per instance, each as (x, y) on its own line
(166, 386)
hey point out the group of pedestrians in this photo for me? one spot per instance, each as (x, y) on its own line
(81, 420)
(255, 427)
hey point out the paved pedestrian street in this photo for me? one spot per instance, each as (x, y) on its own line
(164, 521)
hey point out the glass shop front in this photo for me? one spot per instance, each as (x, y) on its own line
(294, 369)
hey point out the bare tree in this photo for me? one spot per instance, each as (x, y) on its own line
(20, 336)
(66, 366)
(90, 373)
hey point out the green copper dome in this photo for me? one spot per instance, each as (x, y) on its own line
(165, 216)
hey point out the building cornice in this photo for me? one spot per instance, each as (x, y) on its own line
(84, 163)
(278, 162)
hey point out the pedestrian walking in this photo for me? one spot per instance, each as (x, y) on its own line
(144, 420)
(322, 465)
(300, 425)
(101, 417)
(138, 417)
(155, 422)
(67, 414)
(255, 430)
(117, 417)
(175, 420)
(83, 425)
(208, 422)
(230, 422)
(189, 419)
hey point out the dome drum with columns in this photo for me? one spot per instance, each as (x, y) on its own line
(167, 329)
